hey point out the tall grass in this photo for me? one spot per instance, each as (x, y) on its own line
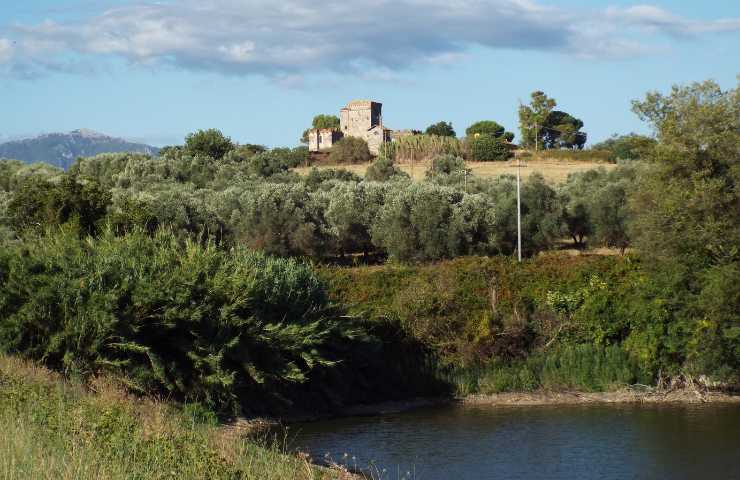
(420, 148)
(583, 367)
(50, 429)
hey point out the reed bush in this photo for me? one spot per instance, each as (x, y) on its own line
(580, 367)
(420, 148)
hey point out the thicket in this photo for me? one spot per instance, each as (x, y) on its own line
(349, 151)
(235, 330)
(555, 322)
(626, 147)
(487, 148)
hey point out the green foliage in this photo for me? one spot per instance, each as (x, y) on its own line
(383, 170)
(488, 127)
(445, 165)
(321, 122)
(351, 212)
(209, 143)
(282, 219)
(276, 161)
(14, 173)
(39, 203)
(562, 130)
(595, 206)
(242, 153)
(687, 221)
(532, 118)
(441, 129)
(194, 322)
(317, 178)
(487, 148)
(581, 367)
(626, 147)
(426, 222)
(349, 150)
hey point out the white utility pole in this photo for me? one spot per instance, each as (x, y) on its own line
(518, 210)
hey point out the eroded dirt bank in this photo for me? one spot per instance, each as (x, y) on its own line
(622, 396)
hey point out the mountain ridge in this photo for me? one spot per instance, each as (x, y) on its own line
(62, 149)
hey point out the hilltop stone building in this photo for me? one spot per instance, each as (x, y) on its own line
(360, 118)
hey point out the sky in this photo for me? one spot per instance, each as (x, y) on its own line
(259, 70)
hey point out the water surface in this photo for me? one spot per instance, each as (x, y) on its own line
(536, 442)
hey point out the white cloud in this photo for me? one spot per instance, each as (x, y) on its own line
(288, 39)
(659, 20)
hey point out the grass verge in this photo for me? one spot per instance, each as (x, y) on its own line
(56, 429)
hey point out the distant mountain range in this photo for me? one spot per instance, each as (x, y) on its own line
(62, 149)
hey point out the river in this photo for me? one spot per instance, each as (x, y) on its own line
(625, 441)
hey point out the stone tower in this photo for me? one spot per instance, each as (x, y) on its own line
(364, 119)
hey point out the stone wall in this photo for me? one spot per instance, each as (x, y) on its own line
(322, 139)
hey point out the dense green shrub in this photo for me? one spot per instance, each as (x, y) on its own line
(40, 203)
(595, 206)
(687, 221)
(422, 222)
(382, 170)
(351, 212)
(487, 148)
(350, 150)
(236, 330)
(626, 147)
(441, 129)
(209, 143)
(445, 165)
(316, 178)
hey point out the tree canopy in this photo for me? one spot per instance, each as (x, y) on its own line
(488, 127)
(210, 143)
(687, 218)
(532, 117)
(441, 129)
(321, 121)
(562, 130)
(626, 147)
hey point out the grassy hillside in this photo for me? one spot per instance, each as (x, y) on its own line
(54, 429)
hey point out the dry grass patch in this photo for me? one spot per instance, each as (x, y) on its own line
(555, 171)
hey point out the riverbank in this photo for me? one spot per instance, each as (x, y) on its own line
(676, 396)
(53, 428)
(621, 396)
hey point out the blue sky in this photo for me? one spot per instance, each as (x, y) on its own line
(259, 70)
